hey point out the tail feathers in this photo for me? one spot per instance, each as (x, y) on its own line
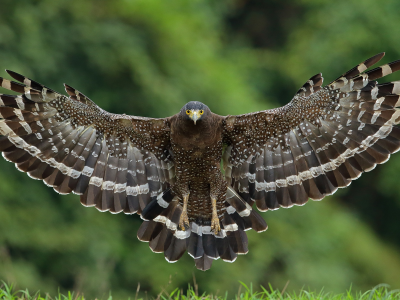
(210, 245)
(176, 248)
(195, 246)
(157, 205)
(242, 212)
(160, 228)
(158, 238)
(147, 231)
(203, 263)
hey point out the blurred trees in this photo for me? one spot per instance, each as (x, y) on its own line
(149, 58)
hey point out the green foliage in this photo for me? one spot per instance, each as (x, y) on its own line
(149, 58)
(377, 293)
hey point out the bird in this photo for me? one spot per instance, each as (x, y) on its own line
(197, 179)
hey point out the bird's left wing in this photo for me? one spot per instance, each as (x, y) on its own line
(320, 141)
(115, 162)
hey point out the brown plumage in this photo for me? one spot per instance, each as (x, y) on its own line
(168, 170)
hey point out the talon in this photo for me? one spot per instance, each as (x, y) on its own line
(184, 221)
(215, 224)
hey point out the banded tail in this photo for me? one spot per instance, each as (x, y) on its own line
(160, 228)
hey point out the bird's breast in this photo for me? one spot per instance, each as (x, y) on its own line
(193, 137)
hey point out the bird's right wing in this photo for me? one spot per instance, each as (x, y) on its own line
(115, 162)
(320, 141)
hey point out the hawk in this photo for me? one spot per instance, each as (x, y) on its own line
(168, 170)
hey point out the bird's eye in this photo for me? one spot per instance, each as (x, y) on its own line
(201, 112)
(188, 112)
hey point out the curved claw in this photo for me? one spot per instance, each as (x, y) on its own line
(215, 226)
(184, 221)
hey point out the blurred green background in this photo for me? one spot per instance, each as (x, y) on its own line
(150, 57)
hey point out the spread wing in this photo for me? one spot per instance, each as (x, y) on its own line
(115, 162)
(320, 141)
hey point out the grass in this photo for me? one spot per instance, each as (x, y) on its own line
(380, 292)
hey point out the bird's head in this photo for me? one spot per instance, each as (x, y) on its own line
(195, 111)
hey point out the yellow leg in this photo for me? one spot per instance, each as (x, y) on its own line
(184, 220)
(215, 220)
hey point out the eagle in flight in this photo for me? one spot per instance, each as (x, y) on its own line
(169, 170)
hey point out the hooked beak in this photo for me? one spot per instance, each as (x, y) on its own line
(195, 115)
